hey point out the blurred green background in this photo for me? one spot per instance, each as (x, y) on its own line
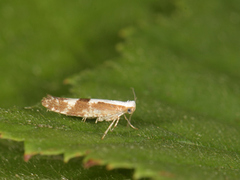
(44, 42)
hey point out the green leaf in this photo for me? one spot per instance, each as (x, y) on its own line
(184, 72)
(48, 167)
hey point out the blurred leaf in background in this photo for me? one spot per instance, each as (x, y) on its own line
(43, 42)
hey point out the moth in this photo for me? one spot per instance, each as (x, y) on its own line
(101, 109)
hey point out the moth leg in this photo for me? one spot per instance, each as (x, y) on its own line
(109, 127)
(129, 122)
(99, 119)
(84, 119)
(115, 123)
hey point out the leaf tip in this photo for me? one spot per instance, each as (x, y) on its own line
(92, 162)
(27, 157)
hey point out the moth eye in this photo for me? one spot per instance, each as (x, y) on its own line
(129, 110)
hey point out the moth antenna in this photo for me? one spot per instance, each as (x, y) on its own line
(135, 97)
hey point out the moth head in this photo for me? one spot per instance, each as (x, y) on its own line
(132, 104)
(130, 110)
(131, 107)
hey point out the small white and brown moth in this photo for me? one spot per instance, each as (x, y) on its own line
(101, 109)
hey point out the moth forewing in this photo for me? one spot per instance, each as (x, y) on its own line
(101, 109)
